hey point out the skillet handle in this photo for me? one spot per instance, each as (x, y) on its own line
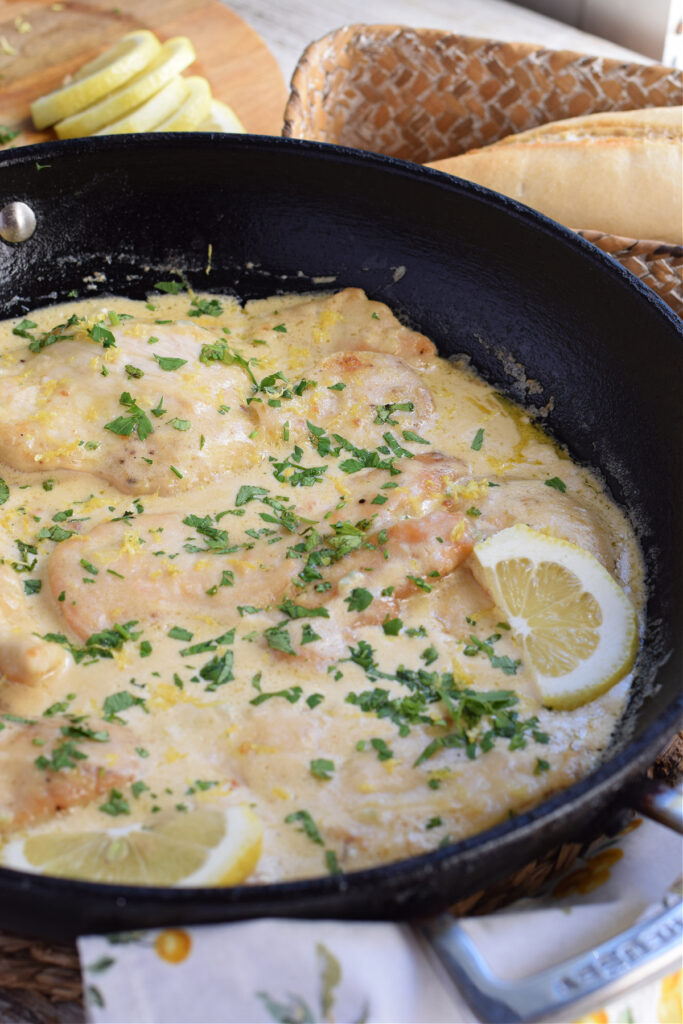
(649, 949)
(660, 802)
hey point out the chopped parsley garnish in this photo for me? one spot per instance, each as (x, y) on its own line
(278, 638)
(98, 645)
(7, 134)
(541, 766)
(220, 352)
(178, 633)
(419, 582)
(473, 720)
(322, 768)
(170, 287)
(307, 825)
(4, 491)
(218, 671)
(385, 412)
(290, 471)
(65, 755)
(104, 337)
(429, 655)
(504, 663)
(410, 435)
(359, 599)
(22, 329)
(116, 804)
(215, 539)
(478, 440)
(247, 493)
(298, 611)
(383, 751)
(308, 634)
(332, 863)
(205, 307)
(136, 420)
(291, 695)
(558, 484)
(32, 586)
(59, 707)
(120, 701)
(169, 362)
(361, 458)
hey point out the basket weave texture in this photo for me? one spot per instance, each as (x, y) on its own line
(423, 94)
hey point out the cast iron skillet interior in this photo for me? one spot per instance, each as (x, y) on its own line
(478, 274)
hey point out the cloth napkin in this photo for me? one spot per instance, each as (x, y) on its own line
(304, 972)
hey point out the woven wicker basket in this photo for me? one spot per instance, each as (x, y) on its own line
(422, 94)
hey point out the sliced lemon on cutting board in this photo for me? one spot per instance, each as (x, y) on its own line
(97, 78)
(206, 846)
(174, 56)
(575, 624)
(221, 119)
(193, 109)
(149, 114)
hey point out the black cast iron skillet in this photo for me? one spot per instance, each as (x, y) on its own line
(478, 274)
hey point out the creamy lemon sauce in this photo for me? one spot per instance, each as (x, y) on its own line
(234, 566)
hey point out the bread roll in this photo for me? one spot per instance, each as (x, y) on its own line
(621, 173)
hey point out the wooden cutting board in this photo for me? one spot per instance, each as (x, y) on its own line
(52, 40)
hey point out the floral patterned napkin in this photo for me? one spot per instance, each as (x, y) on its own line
(304, 972)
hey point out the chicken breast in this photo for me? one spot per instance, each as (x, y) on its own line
(51, 766)
(149, 407)
(348, 322)
(359, 395)
(24, 658)
(153, 567)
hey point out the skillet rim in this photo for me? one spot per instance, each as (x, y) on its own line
(608, 781)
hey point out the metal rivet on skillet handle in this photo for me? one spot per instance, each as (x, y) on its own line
(17, 222)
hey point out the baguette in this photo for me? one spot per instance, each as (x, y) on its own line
(621, 172)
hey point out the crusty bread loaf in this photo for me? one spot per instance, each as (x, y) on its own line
(620, 172)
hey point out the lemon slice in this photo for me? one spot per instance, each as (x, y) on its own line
(206, 846)
(221, 119)
(194, 109)
(95, 79)
(173, 57)
(145, 117)
(576, 625)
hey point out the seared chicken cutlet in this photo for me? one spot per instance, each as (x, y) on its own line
(128, 407)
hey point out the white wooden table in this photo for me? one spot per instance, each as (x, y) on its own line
(288, 27)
